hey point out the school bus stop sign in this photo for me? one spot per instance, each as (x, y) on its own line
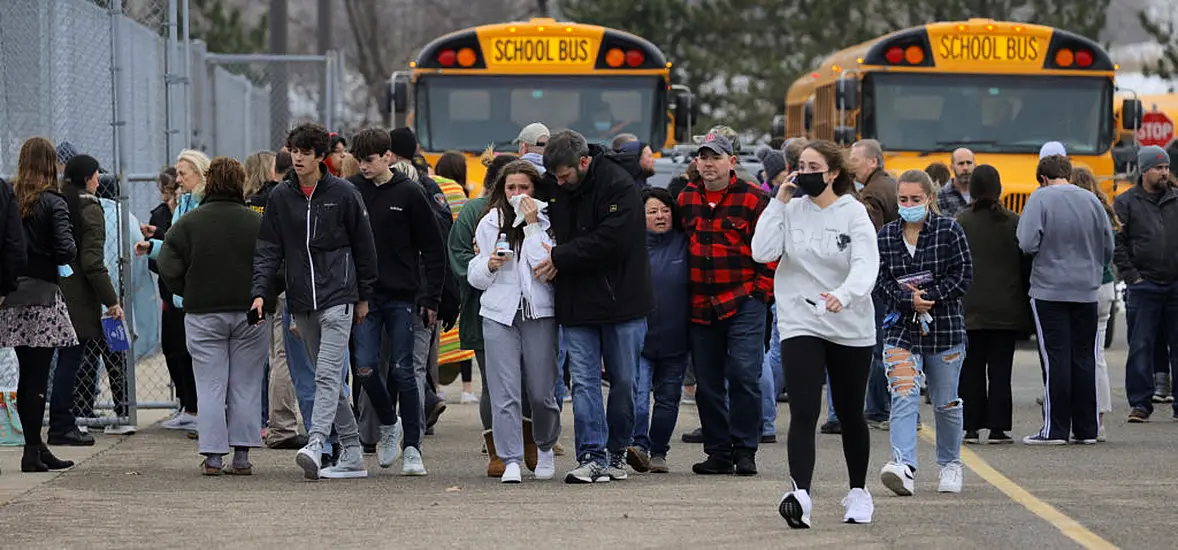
(1156, 129)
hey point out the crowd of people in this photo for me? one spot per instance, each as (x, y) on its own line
(328, 263)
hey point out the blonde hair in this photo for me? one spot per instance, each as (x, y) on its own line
(258, 170)
(926, 184)
(405, 166)
(349, 167)
(200, 162)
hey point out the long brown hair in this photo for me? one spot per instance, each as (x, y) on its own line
(36, 172)
(498, 200)
(844, 183)
(257, 171)
(1083, 178)
(225, 178)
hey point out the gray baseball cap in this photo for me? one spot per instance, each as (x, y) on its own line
(717, 143)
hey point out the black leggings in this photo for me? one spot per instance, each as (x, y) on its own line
(804, 375)
(30, 390)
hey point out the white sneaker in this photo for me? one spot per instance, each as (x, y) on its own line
(182, 421)
(511, 473)
(795, 508)
(120, 429)
(412, 464)
(952, 475)
(349, 466)
(898, 478)
(859, 506)
(308, 458)
(468, 398)
(545, 465)
(388, 447)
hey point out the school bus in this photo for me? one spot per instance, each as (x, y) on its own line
(480, 86)
(1000, 89)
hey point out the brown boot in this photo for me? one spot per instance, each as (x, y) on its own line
(531, 452)
(495, 466)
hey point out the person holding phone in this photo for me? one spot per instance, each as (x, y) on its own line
(208, 256)
(518, 319)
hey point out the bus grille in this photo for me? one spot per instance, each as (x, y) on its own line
(1015, 201)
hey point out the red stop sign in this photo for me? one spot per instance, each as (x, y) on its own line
(1156, 129)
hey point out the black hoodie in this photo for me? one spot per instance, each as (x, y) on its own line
(603, 270)
(410, 257)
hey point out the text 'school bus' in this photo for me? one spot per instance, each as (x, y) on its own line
(480, 86)
(1000, 89)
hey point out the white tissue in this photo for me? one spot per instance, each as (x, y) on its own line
(519, 217)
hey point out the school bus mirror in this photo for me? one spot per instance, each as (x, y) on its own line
(846, 93)
(777, 127)
(1131, 114)
(400, 93)
(844, 135)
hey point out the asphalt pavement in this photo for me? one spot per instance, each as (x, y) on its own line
(145, 491)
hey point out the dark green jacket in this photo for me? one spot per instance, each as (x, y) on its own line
(89, 288)
(460, 248)
(997, 299)
(208, 256)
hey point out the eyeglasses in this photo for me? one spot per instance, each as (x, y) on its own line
(541, 143)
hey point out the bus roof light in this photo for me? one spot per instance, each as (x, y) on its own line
(634, 58)
(1084, 58)
(895, 55)
(1064, 58)
(914, 55)
(466, 57)
(615, 57)
(446, 58)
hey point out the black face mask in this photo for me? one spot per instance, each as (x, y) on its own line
(811, 184)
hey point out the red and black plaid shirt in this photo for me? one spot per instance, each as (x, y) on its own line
(722, 269)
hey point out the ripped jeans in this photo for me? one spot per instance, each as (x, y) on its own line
(905, 370)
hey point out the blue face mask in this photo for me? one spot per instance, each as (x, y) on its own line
(859, 186)
(913, 214)
(602, 126)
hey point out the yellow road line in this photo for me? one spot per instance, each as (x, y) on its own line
(1066, 525)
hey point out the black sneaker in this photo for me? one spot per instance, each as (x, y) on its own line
(72, 438)
(769, 438)
(1136, 416)
(694, 436)
(713, 467)
(999, 438)
(746, 464)
(971, 437)
(831, 427)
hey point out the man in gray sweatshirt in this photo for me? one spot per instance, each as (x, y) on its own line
(1068, 232)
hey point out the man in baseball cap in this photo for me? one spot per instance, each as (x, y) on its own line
(532, 140)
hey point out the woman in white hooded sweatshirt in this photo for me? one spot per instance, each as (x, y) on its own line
(829, 260)
(519, 326)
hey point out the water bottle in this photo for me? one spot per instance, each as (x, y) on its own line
(502, 247)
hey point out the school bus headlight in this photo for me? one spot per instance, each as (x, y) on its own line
(914, 55)
(1064, 57)
(615, 57)
(466, 57)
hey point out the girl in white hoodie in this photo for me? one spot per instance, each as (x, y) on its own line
(519, 326)
(829, 260)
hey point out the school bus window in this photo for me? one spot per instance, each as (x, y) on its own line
(926, 112)
(557, 108)
(470, 105)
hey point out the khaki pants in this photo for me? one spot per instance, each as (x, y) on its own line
(284, 406)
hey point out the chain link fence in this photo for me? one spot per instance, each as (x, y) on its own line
(244, 103)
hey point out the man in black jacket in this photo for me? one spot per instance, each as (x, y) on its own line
(317, 224)
(411, 262)
(1144, 258)
(12, 241)
(601, 277)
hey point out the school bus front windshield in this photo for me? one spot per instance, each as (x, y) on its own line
(987, 113)
(469, 112)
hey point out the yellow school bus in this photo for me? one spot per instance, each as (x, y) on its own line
(480, 86)
(1000, 89)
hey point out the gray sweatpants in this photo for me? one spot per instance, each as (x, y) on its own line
(524, 352)
(229, 362)
(325, 334)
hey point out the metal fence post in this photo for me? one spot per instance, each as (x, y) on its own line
(120, 102)
(187, 141)
(327, 90)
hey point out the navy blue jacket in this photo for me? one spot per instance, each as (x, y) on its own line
(666, 326)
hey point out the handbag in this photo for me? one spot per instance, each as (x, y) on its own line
(12, 434)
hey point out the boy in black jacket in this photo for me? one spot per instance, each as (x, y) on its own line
(601, 277)
(317, 224)
(411, 262)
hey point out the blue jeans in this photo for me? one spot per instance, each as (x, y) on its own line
(599, 427)
(302, 375)
(830, 415)
(879, 401)
(393, 320)
(1151, 313)
(652, 431)
(905, 371)
(730, 351)
(772, 381)
(61, 398)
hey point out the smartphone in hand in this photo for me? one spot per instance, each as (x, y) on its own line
(253, 316)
